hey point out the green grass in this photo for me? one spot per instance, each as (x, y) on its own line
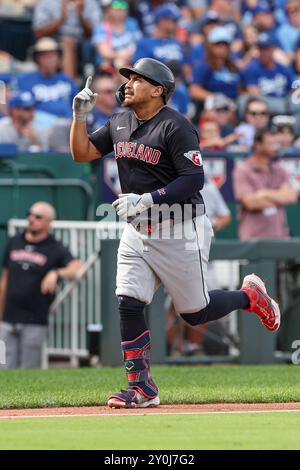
(184, 384)
(223, 431)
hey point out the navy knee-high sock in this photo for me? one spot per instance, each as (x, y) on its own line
(221, 303)
(132, 320)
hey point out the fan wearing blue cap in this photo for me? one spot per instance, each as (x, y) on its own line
(266, 77)
(217, 74)
(18, 127)
(163, 44)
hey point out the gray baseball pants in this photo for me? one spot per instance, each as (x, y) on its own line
(179, 262)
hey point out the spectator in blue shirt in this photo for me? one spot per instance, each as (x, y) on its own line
(53, 90)
(163, 45)
(264, 76)
(116, 37)
(288, 33)
(218, 73)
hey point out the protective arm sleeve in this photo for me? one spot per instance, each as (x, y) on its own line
(180, 189)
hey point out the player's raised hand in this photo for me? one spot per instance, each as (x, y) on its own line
(84, 102)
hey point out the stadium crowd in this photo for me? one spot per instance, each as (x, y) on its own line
(221, 51)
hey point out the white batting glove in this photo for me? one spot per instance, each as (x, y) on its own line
(130, 205)
(84, 102)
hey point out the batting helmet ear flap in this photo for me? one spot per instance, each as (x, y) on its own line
(120, 94)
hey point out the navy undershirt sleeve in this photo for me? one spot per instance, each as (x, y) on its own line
(180, 189)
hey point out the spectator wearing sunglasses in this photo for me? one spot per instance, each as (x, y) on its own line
(256, 116)
(34, 262)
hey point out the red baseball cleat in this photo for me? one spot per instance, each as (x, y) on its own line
(261, 303)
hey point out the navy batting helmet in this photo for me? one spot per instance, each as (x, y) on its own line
(154, 72)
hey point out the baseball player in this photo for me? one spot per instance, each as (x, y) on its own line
(159, 163)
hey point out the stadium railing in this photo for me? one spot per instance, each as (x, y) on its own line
(77, 304)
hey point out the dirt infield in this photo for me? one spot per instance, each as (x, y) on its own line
(162, 409)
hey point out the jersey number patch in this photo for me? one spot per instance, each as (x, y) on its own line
(194, 156)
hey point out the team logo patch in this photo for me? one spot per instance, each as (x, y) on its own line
(195, 157)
